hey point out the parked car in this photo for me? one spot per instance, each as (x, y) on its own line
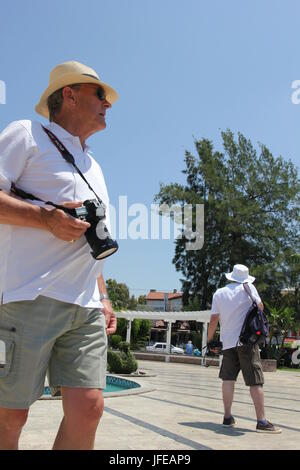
(162, 347)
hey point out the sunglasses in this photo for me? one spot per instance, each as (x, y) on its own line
(100, 92)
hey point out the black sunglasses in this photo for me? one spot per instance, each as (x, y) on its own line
(100, 93)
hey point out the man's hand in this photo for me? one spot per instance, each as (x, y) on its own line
(110, 317)
(63, 225)
(214, 320)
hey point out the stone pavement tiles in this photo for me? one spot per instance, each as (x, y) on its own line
(184, 412)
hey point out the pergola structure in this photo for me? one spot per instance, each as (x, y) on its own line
(169, 317)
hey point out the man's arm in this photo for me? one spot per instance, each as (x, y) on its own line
(14, 211)
(214, 320)
(110, 318)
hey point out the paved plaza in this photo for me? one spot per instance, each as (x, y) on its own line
(183, 411)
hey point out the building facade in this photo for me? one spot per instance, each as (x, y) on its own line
(164, 302)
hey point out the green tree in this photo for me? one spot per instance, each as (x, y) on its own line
(132, 303)
(193, 304)
(142, 300)
(281, 320)
(250, 203)
(140, 332)
(118, 294)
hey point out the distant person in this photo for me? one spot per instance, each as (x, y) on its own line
(55, 313)
(230, 305)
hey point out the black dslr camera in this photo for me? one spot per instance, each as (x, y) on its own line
(92, 211)
(97, 235)
(215, 346)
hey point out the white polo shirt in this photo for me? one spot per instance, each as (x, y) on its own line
(34, 262)
(232, 303)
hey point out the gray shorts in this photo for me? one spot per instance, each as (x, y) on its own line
(46, 335)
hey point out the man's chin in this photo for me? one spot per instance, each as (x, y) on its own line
(100, 126)
(101, 123)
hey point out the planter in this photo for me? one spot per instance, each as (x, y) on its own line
(269, 365)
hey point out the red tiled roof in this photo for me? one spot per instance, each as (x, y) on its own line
(160, 296)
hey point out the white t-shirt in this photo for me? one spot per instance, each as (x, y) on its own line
(33, 261)
(232, 303)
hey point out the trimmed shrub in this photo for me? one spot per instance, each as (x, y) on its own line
(123, 361)
(115, 341)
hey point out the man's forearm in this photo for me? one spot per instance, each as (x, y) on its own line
(214, 320)
(57, 221)
(22, 213)
(101, 285)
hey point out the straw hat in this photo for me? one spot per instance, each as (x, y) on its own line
(240, 274)
(69, 73)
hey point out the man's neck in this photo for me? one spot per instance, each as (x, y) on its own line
(73, 128)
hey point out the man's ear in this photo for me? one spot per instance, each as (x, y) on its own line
(68, 95)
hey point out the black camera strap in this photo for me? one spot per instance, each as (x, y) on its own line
(69, 158)
(22, 194)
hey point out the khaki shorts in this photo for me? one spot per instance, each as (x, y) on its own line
(245, 358)
(46, 335)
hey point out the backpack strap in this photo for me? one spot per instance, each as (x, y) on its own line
(248, 290)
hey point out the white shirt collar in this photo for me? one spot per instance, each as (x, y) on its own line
(62, 133)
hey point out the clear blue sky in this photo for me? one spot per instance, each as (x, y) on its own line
(183, 69)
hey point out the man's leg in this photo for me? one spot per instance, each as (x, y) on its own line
(83, 408)
(228, 373)
(253, 375)
(11, 424)
(228, 392)
(257, 395)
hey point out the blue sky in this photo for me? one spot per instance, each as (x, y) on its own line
(183, 69)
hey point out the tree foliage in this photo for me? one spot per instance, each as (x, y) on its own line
(119, 296)
(122, 362)
(281, 321)
(250, 203)
(142, 300)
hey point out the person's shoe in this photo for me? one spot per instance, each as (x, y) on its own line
(229, 422)
(267, 428)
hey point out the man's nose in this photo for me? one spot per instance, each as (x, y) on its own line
(106, 103)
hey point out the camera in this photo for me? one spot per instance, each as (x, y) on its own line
(215, 346)
(97, 235)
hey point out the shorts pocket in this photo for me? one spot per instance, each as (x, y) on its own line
(7, 346)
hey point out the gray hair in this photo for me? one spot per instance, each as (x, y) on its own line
(55, 101)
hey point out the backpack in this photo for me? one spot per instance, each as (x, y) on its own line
(255, 329)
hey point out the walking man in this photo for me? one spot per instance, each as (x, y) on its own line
(229, 307)
(54, 313)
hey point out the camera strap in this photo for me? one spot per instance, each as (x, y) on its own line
(68, 157)
(22, 194)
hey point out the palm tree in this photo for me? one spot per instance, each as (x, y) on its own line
(281, 321)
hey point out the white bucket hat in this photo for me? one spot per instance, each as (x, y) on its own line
(69, 73)
(240, 274)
